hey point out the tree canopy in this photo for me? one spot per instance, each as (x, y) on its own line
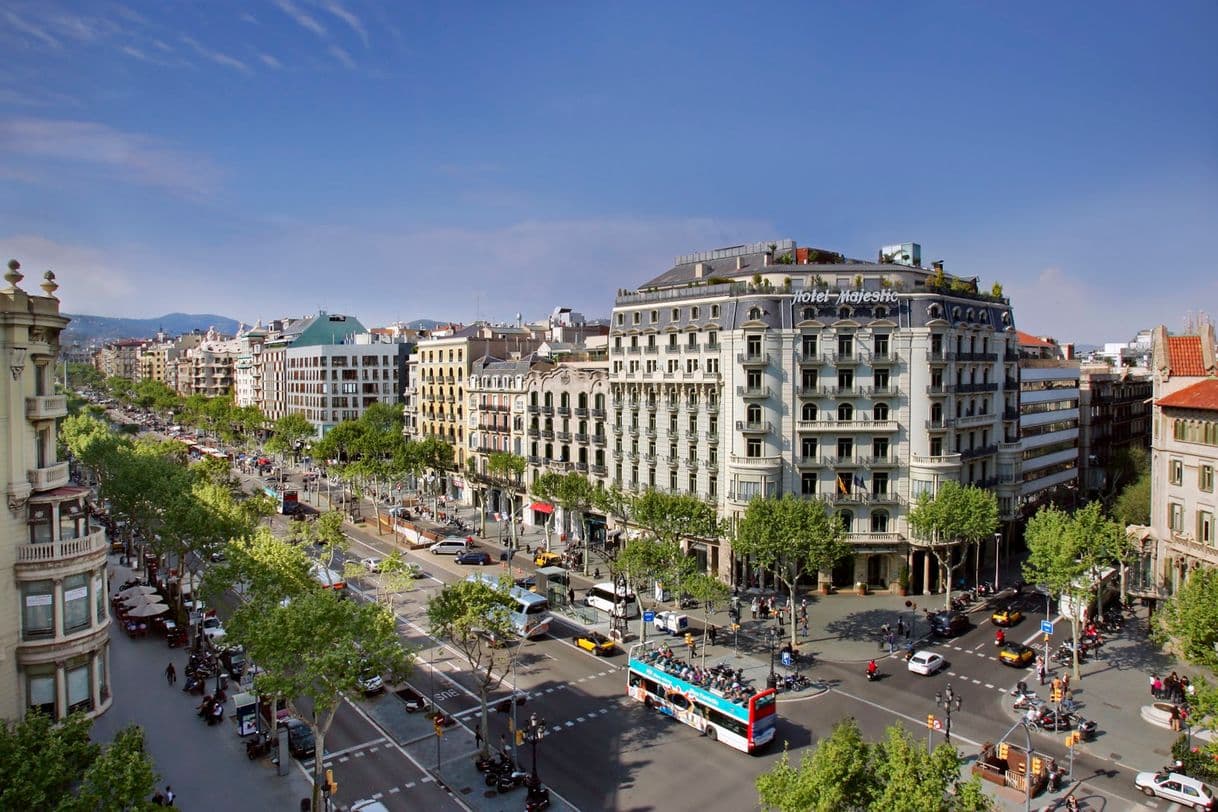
(55, 766)
(956, 516)
(790, 537)
(844, 772)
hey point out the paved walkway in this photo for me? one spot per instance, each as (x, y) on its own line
(206, 765)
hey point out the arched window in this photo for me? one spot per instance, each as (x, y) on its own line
(809, 313)
(549, 399)
(956, 314)
(693, 312)
(843, 312)
(936, 413)
(845, 412)
(933, 310)
(879, 521)
(754, 313)
(881, 312)
(880, 411)
(847, 519)
(808, 412)
(753, 413)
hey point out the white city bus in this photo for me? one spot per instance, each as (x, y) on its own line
(531, 613)
(601, 597)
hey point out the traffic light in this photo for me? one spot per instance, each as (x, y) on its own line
(735, 627)
(439, 727)
(1055, 693)
(930, 720)
(1073, 738)
(331, 786)
(519, 737)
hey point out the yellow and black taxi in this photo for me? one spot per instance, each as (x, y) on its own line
(1015, 654)
(597, 643)
(544, 558)
(1006, 616)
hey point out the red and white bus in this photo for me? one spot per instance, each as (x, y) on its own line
(746, 723)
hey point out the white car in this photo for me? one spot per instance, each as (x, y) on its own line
(1176, 787)
(369, 806)
(372, 563)
(925, 662)
(212, 629)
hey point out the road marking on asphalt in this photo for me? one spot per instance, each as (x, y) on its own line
(376, 796)
(919, 722)
(988, 685)
(570, 724)
(344, 759)
(427, 779)
(360, 754)
(579, 718)
(393, 790)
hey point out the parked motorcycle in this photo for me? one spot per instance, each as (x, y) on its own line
(1088, 728)
(508, 781)
(258, 746)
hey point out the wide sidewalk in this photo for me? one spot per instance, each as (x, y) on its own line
(205, 764)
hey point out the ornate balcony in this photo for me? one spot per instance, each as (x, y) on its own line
(770, 461)
(759, 392)
(846, 425)
(753, 359)
(759, 427)
(53, 476)
(46, 407)
(63, 550)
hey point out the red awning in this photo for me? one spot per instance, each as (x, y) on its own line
(542, 507)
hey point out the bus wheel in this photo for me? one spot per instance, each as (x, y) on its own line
(711, 734)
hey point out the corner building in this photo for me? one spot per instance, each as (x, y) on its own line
(55, 625)
(773, 369)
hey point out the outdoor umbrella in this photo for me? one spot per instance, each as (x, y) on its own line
(143, 600)
(141, 589)
(148, 610)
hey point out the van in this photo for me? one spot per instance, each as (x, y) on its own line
(449, 547)
(601, 597)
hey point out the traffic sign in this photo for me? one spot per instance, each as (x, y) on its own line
(649, 616)
(938, 724)
(1046, 626)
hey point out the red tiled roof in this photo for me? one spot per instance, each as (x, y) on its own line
(1201, 395)
(1029, 340)
(1184, 355)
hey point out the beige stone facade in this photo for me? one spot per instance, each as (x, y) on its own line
(54, 632)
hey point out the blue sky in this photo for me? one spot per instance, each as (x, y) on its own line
(450, 160)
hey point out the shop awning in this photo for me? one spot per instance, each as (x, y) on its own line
(542, 507)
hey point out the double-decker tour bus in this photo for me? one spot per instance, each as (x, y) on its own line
(742, 719)
(530, 613)
(287, 501)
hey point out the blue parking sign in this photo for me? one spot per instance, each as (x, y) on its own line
(649, 616)
(1046, 626)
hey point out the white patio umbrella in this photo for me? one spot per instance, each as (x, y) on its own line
(140, 589)
(148, 610)
(136, 601)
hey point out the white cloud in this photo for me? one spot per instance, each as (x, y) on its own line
(219, 57)
(342, 56)
(348, 17)
(164, 46)
(130, 157)
(270, 61)
(33, 30)
(90, 280)
(246, 17)
(302, 18)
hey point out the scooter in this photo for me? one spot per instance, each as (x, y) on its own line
(538, 797)
(1087, 728)
(873, 675)
(510, 780)
(258, 746)
(1025, 701)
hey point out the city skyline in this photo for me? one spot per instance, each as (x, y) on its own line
(276, 158)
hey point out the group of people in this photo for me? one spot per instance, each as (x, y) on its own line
(1173, 688)
(211, 708)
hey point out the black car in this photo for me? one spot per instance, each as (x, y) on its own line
(233, 659)
(949, 624)
(478, 557)
(300, 738)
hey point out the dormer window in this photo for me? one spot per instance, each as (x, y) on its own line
(843, 313)
(809, 313)
(934, 311)
(881, 312)
(956, 314)
(693, 312)
(676, 314)
(754, 314)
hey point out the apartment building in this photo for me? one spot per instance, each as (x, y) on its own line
(1184, 456)
(329, 383)
(54, 637)
(120, 358)
(496, 421)
(567, 429)
(1114, 416)
(439, 405)
(1048, 424)
(322, 329)
(775, 369)
(248, 387)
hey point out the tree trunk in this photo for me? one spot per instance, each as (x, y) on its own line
(320, 729)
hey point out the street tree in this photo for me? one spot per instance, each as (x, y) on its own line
(1101, 543)
(316, 646)
(791, 537)
(674, 520)
(54, 766)
(547, 488)
(845, 772)
(1186, 625)
(642, 561)
(710, 592)
(1057, 562)
(288, 433)
(1132, 505)
(947, 523)
(475, 618)
(506, 471)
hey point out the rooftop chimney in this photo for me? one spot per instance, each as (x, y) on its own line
(937, 265)
(739, 263)
(697, 270)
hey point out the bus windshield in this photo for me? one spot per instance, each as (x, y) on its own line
(530, 612)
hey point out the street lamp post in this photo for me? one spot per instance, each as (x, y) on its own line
(533, 733)
(949, 702)
(771, 634)
(997, 540)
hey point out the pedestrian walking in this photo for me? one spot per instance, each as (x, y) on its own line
(571, 596)
(900, 627)
(1066, 685)
(169, 795)
(754, 607)
(712, 633)
(891, 640)
(171, 674)
(803, 627)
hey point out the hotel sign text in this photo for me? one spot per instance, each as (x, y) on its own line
(844, 297)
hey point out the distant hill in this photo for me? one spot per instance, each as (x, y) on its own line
(423, 324)
(85, 328)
